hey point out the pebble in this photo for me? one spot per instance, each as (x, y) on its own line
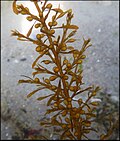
(23, 105)
(8, 60)
(93, 53)
(7, 134)
(6, 127)
(23, 59)
(98, 61)
(114, 98)
(31, 56)
(99, 30)
(16, 61)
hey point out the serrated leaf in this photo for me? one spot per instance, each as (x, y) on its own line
(55, 122)
(43, 7)
(58, 39)
(61, 15)
(63, 134)
(30, 30)
(86, 42)
(60, 118)
(72, 51)
(50, 100)
(34, 63)
(103, 137)
(97, 89)
(45, 123)
(94, 103)
(59, 87)
(35, 73)
(90, 129)
(57, 10)
(70, 47)
(46, 61)
(37, 6)
(51, 110)
(21, 39)
(27, 77)
(69, 10)
(52, 78)
(71, 40)
(15, 8)
(72, 33)
(14, 33)
(25, 81)
(80, 66)
(70, 26)
(81, 91)
(43, 97)
(33, 92)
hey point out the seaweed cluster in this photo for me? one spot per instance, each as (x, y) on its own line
(68, 112)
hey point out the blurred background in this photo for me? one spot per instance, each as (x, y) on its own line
(98, 20)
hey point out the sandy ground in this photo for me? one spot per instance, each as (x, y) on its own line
(96, 20)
